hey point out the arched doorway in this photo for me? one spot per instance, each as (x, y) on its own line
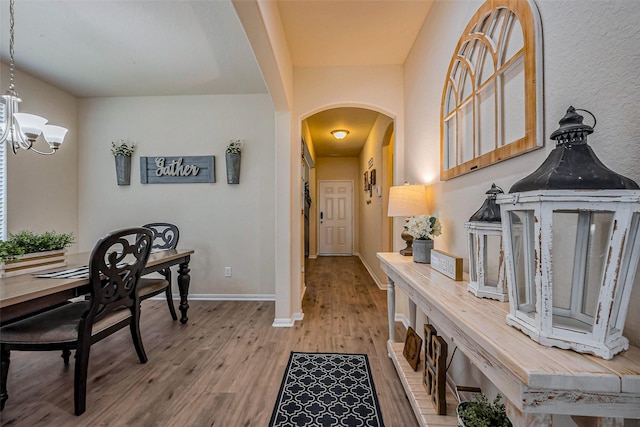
(364, 158)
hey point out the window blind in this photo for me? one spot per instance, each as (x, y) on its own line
(3, 179)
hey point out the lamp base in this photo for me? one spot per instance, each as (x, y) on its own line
(408, 238)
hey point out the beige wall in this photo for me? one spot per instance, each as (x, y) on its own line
(42, 191)
(227, 225)
(590, 61)
(371, 219)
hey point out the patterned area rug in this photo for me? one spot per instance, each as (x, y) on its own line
(327, 389)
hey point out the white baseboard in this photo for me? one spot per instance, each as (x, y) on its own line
(402, 318)
(298, 316)
(283, 323)
(381, 286)
(313, 256)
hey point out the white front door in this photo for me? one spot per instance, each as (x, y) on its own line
(335, 218)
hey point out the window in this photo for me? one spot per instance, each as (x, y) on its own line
(490, 100)
(3, 180)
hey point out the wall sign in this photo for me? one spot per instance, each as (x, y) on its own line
(182, 169)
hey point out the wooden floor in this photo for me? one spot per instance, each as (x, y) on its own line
(223, 368)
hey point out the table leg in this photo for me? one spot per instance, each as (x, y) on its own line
(412, 314)
(391, 309)
(183, 285)
(5, 355)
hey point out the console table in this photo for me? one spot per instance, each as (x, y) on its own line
(537, 381)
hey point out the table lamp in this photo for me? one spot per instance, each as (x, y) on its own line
(407, 200)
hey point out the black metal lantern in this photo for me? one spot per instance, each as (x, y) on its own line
(486, 262)
(572, 245)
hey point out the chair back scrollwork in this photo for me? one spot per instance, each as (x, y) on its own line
(165, 235)
(117, 261)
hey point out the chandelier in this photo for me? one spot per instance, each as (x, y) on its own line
(21, 129)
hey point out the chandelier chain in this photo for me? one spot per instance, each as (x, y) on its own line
(11, 41)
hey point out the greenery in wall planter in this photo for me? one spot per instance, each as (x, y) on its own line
(232, 157)
(122, 151)
(479, 412)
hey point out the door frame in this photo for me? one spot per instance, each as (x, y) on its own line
(352, 225)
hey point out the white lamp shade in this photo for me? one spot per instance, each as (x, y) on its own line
(407, 200)
(30, 124)
(54, 134)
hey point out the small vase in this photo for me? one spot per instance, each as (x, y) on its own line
(233, 168)
(123, 169)
(422, 251)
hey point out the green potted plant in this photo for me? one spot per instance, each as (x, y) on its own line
(27, 252)
(122, 151)
(480, 412)
(232, 157)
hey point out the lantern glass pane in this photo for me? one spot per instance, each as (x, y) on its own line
(522, 243)
(629, 266)
(492, 244)
(579, 248)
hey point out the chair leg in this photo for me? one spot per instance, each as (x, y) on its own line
(136, 337)
(80, 379)
(172, 309)
(5, 355)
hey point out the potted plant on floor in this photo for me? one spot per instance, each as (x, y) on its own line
(122, 152)
(28, 252)
(480, 412)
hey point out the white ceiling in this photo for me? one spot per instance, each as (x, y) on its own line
(95, 48)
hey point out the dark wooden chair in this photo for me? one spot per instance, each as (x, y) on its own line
(165, 236)
(116, 263)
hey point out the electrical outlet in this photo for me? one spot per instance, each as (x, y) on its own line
(227, 272)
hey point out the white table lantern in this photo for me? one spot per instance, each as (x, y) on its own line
(486, 261)
(572, 245)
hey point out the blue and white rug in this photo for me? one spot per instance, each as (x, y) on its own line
(327, 389)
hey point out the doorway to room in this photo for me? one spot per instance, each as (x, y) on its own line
(335, 229)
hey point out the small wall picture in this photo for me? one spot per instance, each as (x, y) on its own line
(372, 180)
(366, 181)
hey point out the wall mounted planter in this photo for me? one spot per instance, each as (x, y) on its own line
(123, 169)
(233, 168)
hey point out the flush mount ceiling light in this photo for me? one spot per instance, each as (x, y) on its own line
(339, 133)
(22, 129)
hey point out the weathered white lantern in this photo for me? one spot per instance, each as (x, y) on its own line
(486, 261)
(572, 246)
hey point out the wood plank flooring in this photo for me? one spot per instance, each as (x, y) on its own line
(223, 368)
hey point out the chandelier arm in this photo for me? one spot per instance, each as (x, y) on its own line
(42, 152)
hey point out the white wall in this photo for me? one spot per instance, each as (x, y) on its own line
(42, 191)
(590, 62)
(227, 225)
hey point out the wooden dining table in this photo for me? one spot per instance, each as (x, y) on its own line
(27, 294)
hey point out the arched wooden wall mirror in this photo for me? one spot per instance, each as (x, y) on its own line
(492, 97)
